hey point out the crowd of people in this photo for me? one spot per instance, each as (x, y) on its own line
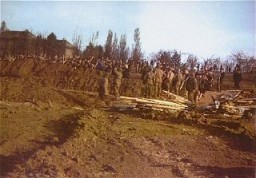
(155, 76)
(192, 84)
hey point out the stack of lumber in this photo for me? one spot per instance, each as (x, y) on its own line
(151, 104)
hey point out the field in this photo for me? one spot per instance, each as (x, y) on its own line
(54, 125)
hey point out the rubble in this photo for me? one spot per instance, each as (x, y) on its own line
(234, 102)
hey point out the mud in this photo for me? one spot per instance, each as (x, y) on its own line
(52, 128)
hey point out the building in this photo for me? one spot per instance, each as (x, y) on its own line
(13, 43)
(16, 43)
(68, 48)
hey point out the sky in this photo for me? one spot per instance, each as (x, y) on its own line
(201, 28)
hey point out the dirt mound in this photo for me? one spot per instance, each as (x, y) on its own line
(63, 76)
(17, 68)
(25, 90)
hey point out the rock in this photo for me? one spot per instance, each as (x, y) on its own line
(55, 139)
(65, 153)
(109, 168)
(75, 159)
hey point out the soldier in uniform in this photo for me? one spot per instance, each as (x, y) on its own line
(192, 87)
(169, 78)
(177, 81)
(159, 73)
(117, 81)
(149, 77)
(103, 86)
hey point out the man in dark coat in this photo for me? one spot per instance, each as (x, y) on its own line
(192, 87)
(237, 77)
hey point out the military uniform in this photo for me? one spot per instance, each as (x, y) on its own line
(169, 79)
(158, 81)
(177, 83)
(192, 87)
(149, 77)
(117, 82)
(103, 90)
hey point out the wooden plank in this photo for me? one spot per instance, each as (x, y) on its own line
(160, 102)
(151, 101)
(177, 98)
(161, 106)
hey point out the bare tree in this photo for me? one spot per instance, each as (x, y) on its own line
(245, 61)
(94, 38)
(192, 61)
(229, 64)
(176, 59)
(77, 42)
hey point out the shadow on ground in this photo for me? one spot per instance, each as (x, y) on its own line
(62, 130)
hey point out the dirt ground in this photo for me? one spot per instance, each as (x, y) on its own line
(54, 126)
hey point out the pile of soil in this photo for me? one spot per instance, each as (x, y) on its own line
(64, 77)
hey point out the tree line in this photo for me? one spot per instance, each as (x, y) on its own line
(117, 49)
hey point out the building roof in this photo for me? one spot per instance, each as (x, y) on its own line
(17, 34)
(26, 34)
(67, 43)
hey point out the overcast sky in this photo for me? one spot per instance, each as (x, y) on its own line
(203, 28)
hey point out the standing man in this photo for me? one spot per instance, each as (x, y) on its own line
(149, 77)
(159, 73)
(169, 78)
(192, 87)
(177, 82)
(117, 81)
(237, 77)
(220, 79)
(103, 86)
